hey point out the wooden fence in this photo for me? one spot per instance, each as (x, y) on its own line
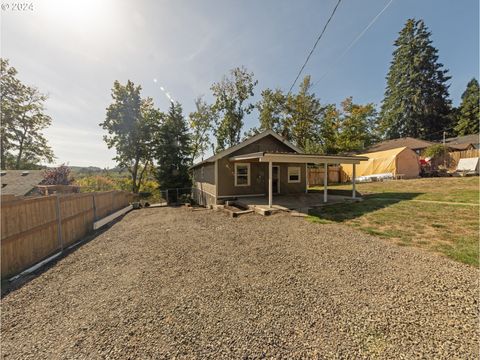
(315, 175)
(35, 228)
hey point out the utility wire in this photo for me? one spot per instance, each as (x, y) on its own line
(354, 42)
(314, 46)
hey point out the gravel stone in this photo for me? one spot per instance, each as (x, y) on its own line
(172, 283)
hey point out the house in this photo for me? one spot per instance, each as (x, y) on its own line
(416, 145)
(467, 142)
(263, 165)
(20, 182)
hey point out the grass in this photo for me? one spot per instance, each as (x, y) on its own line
(388, 212)
(452, 189)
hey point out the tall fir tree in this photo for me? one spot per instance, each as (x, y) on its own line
(416, 99)
(469, 111)
(173, 150)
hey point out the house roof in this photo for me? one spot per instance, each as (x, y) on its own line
(467, 139)
(20, 182)
(246, 142)
(412, 143)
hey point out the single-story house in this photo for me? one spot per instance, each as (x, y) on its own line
(467, 142)
(263, 165)
(20, 182)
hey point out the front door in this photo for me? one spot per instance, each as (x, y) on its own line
(276, 179)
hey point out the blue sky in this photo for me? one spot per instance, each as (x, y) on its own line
(74, 50)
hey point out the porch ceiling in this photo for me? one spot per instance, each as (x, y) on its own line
(298, 158)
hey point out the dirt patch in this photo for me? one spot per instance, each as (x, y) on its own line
(169, 282)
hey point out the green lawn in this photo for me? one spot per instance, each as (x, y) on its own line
(388, 212)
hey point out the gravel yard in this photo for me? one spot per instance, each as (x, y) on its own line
(175, 283)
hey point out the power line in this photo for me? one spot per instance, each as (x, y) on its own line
(314, 46)
(359, 36)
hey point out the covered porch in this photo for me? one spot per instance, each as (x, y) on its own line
(296, 201)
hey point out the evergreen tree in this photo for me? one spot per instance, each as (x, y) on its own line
(173, 150)
(469, 112)
(416, 97)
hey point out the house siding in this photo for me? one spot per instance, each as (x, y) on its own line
(204, 184)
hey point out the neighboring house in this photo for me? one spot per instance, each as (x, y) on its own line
(416, 145)
(20, 182)
(466, 142)
(263, 165)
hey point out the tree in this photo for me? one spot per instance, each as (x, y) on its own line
(173, 150)
(201, 124)
(416, 97)
(469, 111)
(231, 94)
(23, 118)
(357, 128)
(273, 112)
(304, 117)
(131, 124)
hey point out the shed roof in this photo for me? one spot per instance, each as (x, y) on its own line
(20, 182)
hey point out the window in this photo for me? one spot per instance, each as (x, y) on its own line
(293, 174)
(242, 174)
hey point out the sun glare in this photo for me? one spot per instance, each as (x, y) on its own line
(81, 16)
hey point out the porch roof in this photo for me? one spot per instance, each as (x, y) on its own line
(298, 158)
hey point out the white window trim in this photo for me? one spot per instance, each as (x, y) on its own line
(290, 168)
(248, 174)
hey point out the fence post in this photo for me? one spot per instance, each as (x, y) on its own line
(59, 218)
(113, 196)
(94, 208)
(166, 195)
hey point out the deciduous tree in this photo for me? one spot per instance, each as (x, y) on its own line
(131, 124)
(202, 121)
(23, 119)
(231, 95)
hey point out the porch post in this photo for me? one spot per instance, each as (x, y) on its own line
(353, 181)
(325, 183)
(269, 184)
(306, 178)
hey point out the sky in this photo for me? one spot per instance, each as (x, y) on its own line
(74, 51)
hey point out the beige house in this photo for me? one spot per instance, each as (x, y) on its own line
(263, 165)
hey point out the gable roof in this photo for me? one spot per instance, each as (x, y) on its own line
(246, 142)
(467, 139)
(412, 143)
(20, 182)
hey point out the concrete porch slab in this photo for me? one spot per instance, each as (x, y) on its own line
(297, 203)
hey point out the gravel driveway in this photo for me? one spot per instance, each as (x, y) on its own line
(174, 283)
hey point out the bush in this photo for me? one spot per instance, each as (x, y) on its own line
(58, 176)
(435, 151)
